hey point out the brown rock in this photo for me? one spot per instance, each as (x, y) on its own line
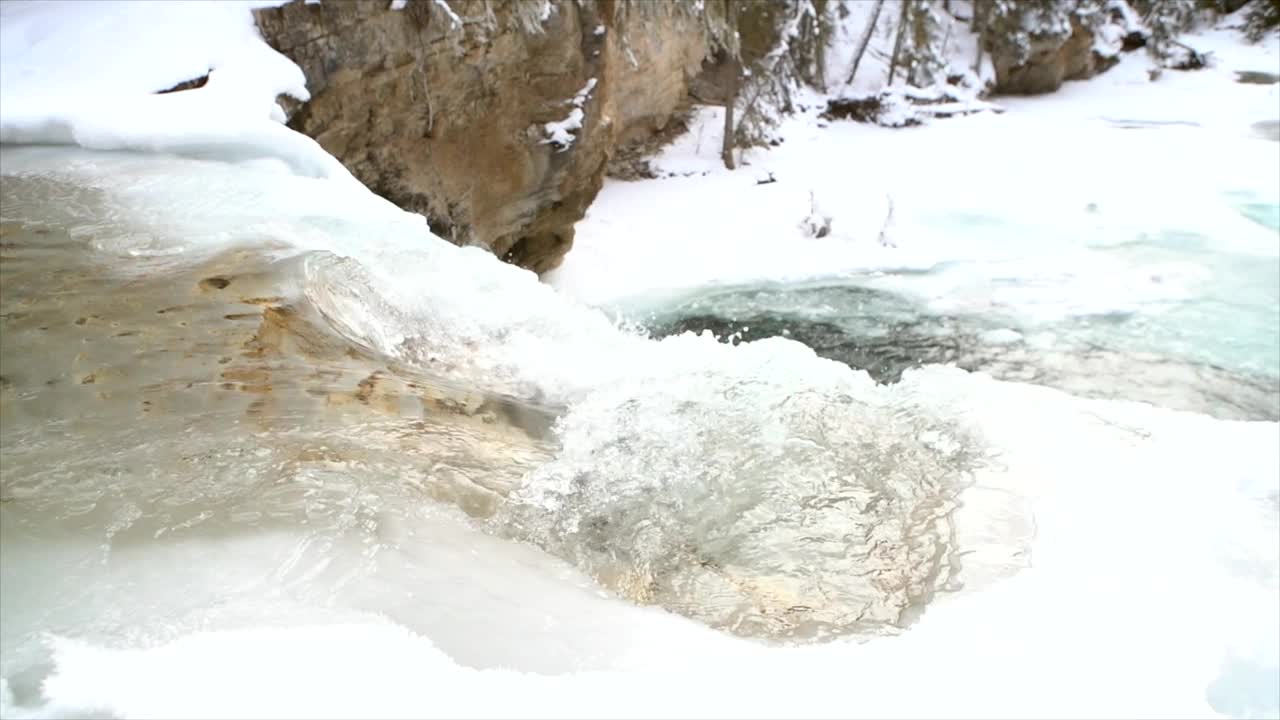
(1052, 60)
(192, 84)
(447, 119)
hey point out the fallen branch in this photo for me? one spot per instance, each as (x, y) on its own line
(883, 239)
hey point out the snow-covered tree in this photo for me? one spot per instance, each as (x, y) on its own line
(925, 49)
(783, 44)
(1166, 20)
(1261, 17)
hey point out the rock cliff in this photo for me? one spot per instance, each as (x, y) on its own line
(1047, 60)
(496, 120)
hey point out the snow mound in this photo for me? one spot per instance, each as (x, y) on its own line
(907, 106)
(104, 96)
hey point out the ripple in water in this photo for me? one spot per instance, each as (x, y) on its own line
(735, 501)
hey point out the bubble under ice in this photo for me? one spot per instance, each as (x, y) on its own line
(736, 501)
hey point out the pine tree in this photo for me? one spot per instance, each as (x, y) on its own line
(1166, 19)
(978, 24)
(1261, 17)
(790, 59)
(899, 40)
(925, 52)
(809, 46)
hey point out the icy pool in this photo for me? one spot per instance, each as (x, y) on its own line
(297, 457)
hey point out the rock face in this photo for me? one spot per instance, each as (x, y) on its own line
(496, 120)
(1048, 60)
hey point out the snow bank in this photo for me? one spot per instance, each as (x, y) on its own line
(87, 74)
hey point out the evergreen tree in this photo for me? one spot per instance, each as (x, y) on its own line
(1261, 17)
(925, 52)
(1166, 19)
(900, 38)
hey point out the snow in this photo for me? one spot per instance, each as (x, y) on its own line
(1151, 586)
(1109, 40)
(873, 70)
(454, 21)
(1151, 578)
(561, 132)
(946, 180)
(896, 111)
(103, 95)
(399, 4)
(1001, 336)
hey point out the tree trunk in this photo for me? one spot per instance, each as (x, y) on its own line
(979, 29)
(866, 39)
(897, 43)
(735, 84)
(726, 150)
(821, 34)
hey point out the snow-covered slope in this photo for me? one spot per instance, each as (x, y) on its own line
(87, 73)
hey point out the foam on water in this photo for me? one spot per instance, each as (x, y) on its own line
(1106, 558)
(1218, 354)
(765, 493)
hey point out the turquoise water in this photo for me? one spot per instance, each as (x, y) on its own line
(1178, 318)
(1232, 320)
(1266, 214)
(1232, 317)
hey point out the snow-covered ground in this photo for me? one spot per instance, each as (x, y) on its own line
(1121, 559)
(1069, 167)
(1113, 196)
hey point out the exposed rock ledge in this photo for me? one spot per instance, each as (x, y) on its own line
(443, 108)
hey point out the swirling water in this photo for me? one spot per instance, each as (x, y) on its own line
(242, 416)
